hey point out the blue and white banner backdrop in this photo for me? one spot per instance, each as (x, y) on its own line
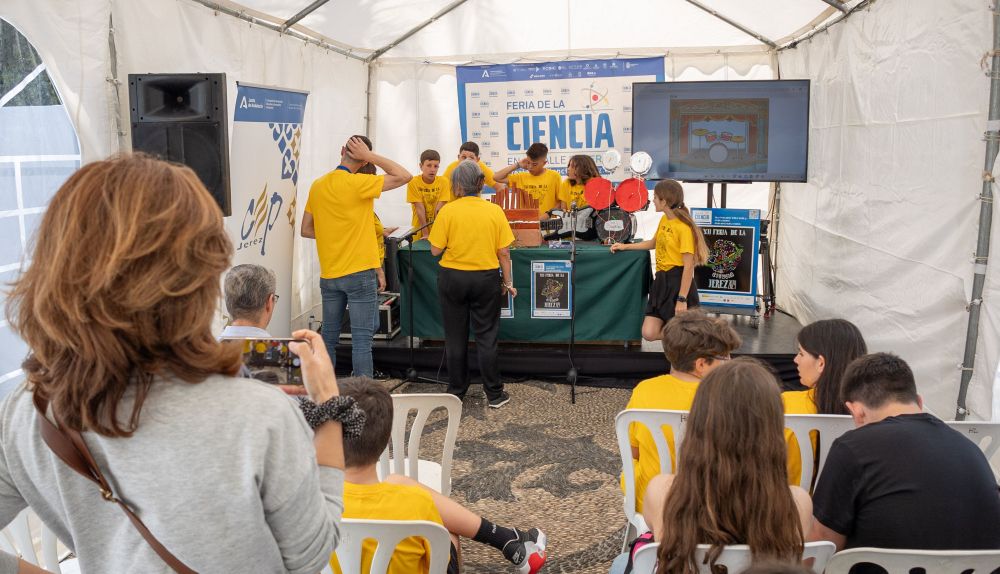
(574, 107)
(264, 167)
(729, 278)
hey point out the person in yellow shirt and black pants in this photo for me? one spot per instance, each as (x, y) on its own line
(474, 236)
(340, 216)
(542, 184)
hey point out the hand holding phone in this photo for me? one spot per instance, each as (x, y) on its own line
(317, 369)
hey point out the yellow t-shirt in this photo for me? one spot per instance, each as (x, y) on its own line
(343, 208)
(380, 237)
(486, 171)
(542, 187)
(471, 230)
(798, 403)
(429, 194)
(673, 239)
(570, 193)
(665, 392)
(384, 501)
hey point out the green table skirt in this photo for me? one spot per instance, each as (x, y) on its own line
(610, 294)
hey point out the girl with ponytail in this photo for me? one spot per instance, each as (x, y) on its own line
(680, 246)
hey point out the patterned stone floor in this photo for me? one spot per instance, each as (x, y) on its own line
(538, 461)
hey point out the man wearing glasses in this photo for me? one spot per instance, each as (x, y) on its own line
(250, 301)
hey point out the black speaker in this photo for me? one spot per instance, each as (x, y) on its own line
(182, 118)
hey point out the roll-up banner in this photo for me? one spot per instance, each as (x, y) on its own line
(573, 107)
(264, 163)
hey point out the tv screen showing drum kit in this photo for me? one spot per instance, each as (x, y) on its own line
(739, 131)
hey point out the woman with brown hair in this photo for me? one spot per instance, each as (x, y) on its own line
(731, 486)
(116, 309)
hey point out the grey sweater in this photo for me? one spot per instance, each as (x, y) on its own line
(222, 472)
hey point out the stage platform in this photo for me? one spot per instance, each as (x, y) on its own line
(602, 365)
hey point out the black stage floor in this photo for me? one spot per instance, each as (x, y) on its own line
(597, 364)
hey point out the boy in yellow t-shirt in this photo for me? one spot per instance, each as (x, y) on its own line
(470, 150)
(400, 498)
(427, 192)
(694, 344)
(542, 184)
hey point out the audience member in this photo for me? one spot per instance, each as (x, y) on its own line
(250, 294)
(825, 348)
(731, 486)
(225, 472)
(694, 344)
(340, 216)
(401, 498)
(903, 478)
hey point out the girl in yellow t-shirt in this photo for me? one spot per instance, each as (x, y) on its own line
(825, 348)
(579, 170)
(680, 246)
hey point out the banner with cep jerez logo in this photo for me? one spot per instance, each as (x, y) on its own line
(573, 107)
(264, 163)
(729, 278)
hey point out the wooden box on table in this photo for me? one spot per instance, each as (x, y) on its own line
(522, 212)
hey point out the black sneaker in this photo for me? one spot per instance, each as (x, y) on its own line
(500, 401)
(527, 552)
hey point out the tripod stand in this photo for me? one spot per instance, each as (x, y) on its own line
(411, 372)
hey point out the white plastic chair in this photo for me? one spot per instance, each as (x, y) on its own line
(406, 452)
(654, 420)
(829, 427)
(388, 534)
(978, 432)
(16, 539)
(932, 561)
(735, 558)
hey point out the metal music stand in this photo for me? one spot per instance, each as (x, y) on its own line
(411, 372)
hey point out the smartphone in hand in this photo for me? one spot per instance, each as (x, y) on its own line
(270, 361)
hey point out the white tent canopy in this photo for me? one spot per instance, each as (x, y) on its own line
(882, 233)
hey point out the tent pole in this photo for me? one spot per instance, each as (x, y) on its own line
(992, 137)
(733, 23)
(309, 10)
(441, 13)
(837, 4)
(115, 85)
(368, 100)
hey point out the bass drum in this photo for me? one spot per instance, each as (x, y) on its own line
(614, 225)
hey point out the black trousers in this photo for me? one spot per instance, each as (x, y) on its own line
(471, 298)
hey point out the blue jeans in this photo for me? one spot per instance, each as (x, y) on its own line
(358, 293)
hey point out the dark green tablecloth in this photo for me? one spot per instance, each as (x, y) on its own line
(610, 294)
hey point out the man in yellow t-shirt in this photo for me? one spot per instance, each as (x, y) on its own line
(542, 184)
(470, 150)
(694, 344)
(340, 216)
(401, 498)
(427, 192)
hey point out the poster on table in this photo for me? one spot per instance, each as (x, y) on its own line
(264, 163)
(729, 278)
(573, 107)
(551, 290)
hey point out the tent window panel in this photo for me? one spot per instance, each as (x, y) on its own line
(40, 180)
(18, 59)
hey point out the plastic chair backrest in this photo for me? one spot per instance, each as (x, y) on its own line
(406, 452)
(829, 427)
(932, 561)
(986, 435)
(653, 420)
(735, 558)
(16, 538)
(388, 534)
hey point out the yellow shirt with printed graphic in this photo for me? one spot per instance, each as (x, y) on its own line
(384, 501)
(486, 171)
(673, 239)
(798, 403)
(429, 194)
(665, 392)
(343, 208)
(568, 193)
(543, 187)
(471, 230)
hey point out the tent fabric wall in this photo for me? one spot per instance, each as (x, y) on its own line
(883, 232)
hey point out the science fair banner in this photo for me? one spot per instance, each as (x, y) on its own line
(264, 163)
(574, 107)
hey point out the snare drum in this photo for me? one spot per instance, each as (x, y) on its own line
(614, 225)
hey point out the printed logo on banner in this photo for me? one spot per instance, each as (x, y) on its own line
(494, 94)
(261, 215)
(484, 124)
(494, 114)
(477, 135)
(529, 92)
(596, 99)
(476, 115)
(511, 93)
(702, 217)
(475, 94)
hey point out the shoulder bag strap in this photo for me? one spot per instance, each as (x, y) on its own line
(68, 445)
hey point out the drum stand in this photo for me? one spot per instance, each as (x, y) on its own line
(571, 375)
(411, 372)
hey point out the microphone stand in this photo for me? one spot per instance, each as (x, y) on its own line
(411, 372)
(571, 375)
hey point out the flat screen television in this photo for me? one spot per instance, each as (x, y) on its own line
(736, 131)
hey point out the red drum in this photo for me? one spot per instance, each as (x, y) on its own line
(598, 193)
(632, 195)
